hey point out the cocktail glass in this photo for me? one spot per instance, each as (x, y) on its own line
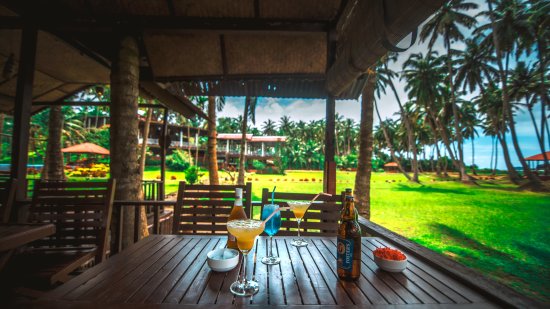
(299, 208)
(245, 231)
(272, 226)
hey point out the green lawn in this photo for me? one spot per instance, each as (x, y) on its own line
(492, 227)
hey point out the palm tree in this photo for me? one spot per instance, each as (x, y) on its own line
(53, 163)
(285, 125)
(423, 76)
(364, 166)
(269, 128)
(214, 104)
(506, 27)
(474, 67)
(385, 76)
(446, 22)
(249, 112)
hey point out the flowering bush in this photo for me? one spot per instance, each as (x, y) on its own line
(95, 170)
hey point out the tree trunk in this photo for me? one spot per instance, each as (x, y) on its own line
(460, 141)
(364, 167)
(512, 173)
(492, 152)
(143, 156)
(438, 161)
(212, 143)
(508, 116)
(197, 146)
(473, 158)
(496, 157)
(53, 163)
(242, 155)
(1, 132)
(189, 143)
(543, 99)
(390, 146)
(408, 128)
(124, 131)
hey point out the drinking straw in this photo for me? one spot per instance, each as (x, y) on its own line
(271, 215)
(317, 196)
(273, 195)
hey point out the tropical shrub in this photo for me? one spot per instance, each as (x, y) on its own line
(179, 160)
(192, 174)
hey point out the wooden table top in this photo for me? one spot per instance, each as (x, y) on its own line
(170, 269)
(16, 235)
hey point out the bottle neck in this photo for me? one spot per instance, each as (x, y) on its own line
(238, 202)
(349, 209)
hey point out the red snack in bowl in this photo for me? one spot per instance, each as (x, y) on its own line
(389, 254)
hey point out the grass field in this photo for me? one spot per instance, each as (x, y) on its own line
(491, 227)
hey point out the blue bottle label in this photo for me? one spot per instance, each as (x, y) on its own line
(345, 253)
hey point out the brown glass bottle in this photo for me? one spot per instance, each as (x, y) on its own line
(349, 242)
(237, 213)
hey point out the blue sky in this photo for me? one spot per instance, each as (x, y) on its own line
(306, 110)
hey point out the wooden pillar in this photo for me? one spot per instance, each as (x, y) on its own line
(163, 148)
(263, 149)
(23, 105)
(329, 173)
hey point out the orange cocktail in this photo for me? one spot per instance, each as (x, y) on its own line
(299, 208)
(245, 231)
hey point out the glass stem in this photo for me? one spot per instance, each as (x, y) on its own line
(243, 281)
(270, 246)
(299, 220)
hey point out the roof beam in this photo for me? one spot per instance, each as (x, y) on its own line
(183, 105)
(105, 24)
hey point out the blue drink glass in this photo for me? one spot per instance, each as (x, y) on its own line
(271, 228)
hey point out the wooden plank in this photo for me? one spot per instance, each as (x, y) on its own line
(16, 235)
(202, 210)
(413, 287)
(371, 279)
(334, 285)
(216, 194)
(307, 291)
(260, 273)
(290, 285)
(461, 292)
(275, 279)
(159, 293)
(227, 203)
(184, 283)
(143, 274)
(116, 275)
(361, 291)
(95, 275)
(329, 174)
(215, 282)
(371, 244)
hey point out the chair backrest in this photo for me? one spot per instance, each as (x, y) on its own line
(81, 212)
(204, 209)
(7, 196)
(320, 219)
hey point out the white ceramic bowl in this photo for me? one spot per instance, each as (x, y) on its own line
(222, 259)
(391, 265)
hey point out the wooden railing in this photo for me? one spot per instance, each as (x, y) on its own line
(159, 219)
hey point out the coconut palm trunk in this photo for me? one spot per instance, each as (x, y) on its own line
(53, 163)
(364, 166)
(242, 155)
(496, 158)
(508, 116)
(124, 132)
(512, 173)
(390, 146)
(212, 143)
(146, 127)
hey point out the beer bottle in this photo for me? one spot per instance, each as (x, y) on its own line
(349, 242)
(237, 213)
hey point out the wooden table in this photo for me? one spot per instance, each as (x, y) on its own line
(172, 269)
(13, 236)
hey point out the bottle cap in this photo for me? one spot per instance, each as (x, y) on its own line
(238, 192)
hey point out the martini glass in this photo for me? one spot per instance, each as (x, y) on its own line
(299, 208)
(245, 231)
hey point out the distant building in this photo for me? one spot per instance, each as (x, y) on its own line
(391, 167)
(263, 148)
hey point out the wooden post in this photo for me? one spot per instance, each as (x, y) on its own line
(329, 174)
(163, 148)
(23, 104)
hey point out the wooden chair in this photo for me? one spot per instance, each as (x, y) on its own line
(81, 213)
(7, 196)
(321, 219)
(204, 209)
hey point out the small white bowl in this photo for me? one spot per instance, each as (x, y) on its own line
(391, 265)
(222, 259)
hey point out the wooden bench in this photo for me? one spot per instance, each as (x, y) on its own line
(81, 213)
(204, 209)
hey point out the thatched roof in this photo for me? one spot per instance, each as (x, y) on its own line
(277, 48)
